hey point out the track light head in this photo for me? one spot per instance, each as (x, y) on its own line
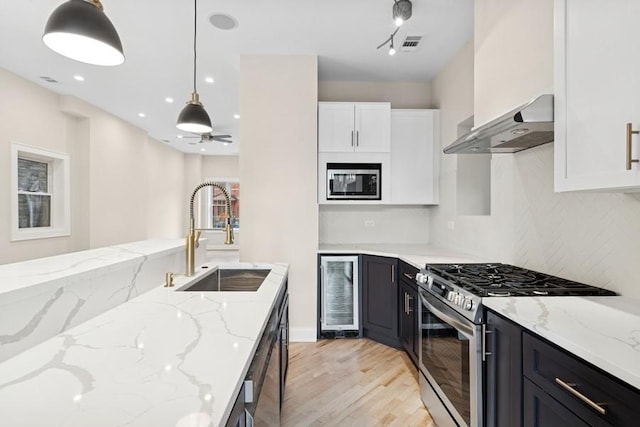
(401, 11)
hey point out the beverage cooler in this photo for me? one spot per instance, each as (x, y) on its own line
(339, 296)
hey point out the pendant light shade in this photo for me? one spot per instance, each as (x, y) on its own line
(193, 117)
(80, 30)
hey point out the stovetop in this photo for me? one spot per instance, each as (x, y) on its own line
(462, 287)
(487, 280)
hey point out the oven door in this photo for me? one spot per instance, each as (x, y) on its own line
(450, 364)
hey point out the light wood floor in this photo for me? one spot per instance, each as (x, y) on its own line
(351, 382)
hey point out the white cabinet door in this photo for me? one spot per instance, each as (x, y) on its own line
(414, 157)
(373, 127)
(345, 127)
(335, 127)
(597, 79)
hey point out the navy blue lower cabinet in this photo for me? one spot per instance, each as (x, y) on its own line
(503, 372)
(380, 299)
(542, 410)
(592, 396)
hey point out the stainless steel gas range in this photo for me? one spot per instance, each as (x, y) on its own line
(451, 321)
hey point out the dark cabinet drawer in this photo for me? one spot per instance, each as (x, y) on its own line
(408, 272)
(582, 388)
(542, 410)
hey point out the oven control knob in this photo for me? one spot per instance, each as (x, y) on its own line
(451, 296)
(468, 304)
(421, 278)
(459, 300)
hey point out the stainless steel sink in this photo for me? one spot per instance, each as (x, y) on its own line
(228, 279)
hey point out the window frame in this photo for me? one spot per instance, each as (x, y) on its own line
(58, 172)
(206, 202)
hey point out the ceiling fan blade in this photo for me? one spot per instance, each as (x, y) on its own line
(221, 139)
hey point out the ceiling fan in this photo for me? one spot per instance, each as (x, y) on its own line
(208, 137)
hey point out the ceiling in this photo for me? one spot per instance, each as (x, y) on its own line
(157, 40)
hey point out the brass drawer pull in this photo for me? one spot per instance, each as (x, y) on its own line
(630, 133)
(571, 389)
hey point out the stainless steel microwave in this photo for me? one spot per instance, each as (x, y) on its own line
(354, 181)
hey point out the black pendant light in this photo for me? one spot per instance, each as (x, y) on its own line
(79, 29)
(193, 117)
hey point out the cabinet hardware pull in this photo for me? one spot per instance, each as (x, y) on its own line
(357, 138)
(630, 133)
(352, 138)
(570, 387)
(393, 273)
(405, 303)
(408, 276)
(409, 309)
(485, 353)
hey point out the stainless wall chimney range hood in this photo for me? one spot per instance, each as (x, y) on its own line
(524, 127)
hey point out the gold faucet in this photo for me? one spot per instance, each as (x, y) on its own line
(194, 233)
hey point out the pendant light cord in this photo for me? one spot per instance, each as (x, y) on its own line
(195, 32)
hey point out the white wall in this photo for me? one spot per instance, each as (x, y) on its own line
(30, 115)
(393, 224)
(278, 158)
(399, 94)
(124, 186)
(220, 167)
(591, 238)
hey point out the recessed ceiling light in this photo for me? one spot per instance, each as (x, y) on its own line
(209, 79)
(168, 99)
(78, 78)
(236, 116)
(223, 21)
(203, 149)
(180, 136)
(142, 115)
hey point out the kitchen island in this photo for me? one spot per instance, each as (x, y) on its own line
(164, 358)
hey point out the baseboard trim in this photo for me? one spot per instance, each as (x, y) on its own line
(303, 335)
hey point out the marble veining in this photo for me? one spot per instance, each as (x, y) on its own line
(44, 297)
(604, 331)
(164, 358)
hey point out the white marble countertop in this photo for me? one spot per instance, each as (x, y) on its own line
(165, 358)
(416, 255)
(30, 273)
(604, 331)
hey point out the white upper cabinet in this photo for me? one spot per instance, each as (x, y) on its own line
(345, 127)
(597, 80)
(414, 157)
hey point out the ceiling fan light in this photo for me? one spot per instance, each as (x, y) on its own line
(392, 50)
(194, 119)
(399, 21)
(81, 31)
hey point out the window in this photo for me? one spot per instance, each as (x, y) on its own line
(215, 205)
(40, 193)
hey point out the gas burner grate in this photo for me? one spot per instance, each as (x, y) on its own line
(507, 280)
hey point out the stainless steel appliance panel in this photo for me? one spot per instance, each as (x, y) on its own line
(450, 360)
(354, 181)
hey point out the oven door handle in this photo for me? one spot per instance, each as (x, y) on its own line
(447, 314)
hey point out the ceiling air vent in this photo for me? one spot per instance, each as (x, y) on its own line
(411, 43)
(48, 79)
